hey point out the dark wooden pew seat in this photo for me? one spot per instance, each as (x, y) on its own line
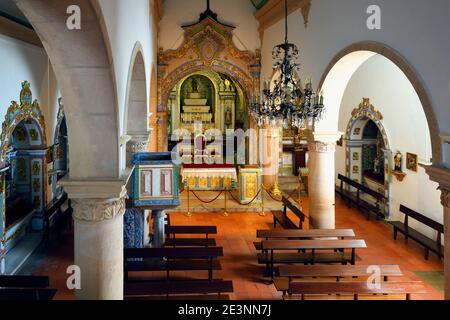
(169, 260)
(429, 244)
(26, 294)
(281, 217)
(352, 198)
(355, 289)
(24, 282)
(204, 287)
(25, 288)
(173, 233)
(290, 272)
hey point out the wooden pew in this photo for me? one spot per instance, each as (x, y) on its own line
(161, 288)
(27, 294)
(302, 234)
(355, 289)
(32, 288)
(174, 231)
(356, 199)
(269, 258)
(55, 213)
(429, 244)
(24, 282)
(169, 260)
(281, 217)
(288, 273)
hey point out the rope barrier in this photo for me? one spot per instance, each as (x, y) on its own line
(207, 202)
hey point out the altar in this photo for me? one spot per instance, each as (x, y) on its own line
(203, 177)
(221, 178)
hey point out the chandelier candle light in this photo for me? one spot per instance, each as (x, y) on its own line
(286, 102)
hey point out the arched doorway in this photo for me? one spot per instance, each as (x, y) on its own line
(24, 157)
(368, 152)
(341, 69)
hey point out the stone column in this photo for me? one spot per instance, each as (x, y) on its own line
(158, 228)
(137, 144)
(269, 155)
(321, 181)
(442, 176)
(99, 207)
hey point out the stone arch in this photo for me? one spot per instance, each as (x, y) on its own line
(83, 67)
(136, 110)
(341, 68)
(177, 76)
(153, 109)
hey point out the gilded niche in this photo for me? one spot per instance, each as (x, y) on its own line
(28, 109)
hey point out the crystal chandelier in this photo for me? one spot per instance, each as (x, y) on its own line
(285, 101)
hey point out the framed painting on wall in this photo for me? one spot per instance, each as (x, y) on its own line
(412, 162)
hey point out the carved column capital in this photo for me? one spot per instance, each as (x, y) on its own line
(322, 142)
(442, 177)
(97, 200)
(137, 146)
(445, 197)
(97, 210)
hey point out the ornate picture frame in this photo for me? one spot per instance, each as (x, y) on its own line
(412, 162)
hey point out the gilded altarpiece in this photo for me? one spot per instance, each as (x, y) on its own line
(207, 49)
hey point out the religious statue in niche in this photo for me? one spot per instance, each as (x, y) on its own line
(228, 117)
(398, 159)
(376, 166)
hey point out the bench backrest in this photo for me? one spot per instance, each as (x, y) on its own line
(378, 196)
(14, 294)
(24, 282)
(421, 218)
(55, 205)
(412, 287)
(293, 207)
(174, 253)
(186, 230)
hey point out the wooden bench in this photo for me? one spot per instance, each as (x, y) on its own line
(174, 231)
(27, 294)
(301, 246)
(302, 234)
(281, 217)
(429, 244)
(356, 199)
(169, 260)
(356, 289)
(288, 273)
(55, 213)
(32, 288)
(204, 287)
(24, 282)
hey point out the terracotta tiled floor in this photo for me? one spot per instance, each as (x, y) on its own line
(236, 235)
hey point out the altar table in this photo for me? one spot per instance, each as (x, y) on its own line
(209, 177)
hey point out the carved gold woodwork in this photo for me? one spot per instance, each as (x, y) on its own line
(208, 45)
(28, 109)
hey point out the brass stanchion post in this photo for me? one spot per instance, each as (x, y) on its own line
(225, 213)
(189, 214)
(262, 213)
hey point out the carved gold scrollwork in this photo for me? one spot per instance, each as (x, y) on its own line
(16, 113)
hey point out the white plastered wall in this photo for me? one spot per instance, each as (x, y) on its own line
(415, 29)
(404, 120)
(128, 23)
(238, 13)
